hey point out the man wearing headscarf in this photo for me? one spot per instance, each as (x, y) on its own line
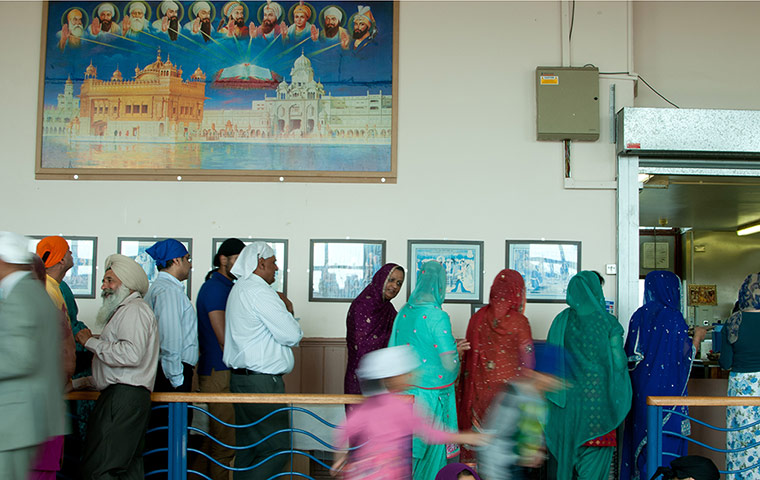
(124, 370)
(301, 27)
(364, 27)
(30, 370)
(201, 24)
(169, 19)
(213, 374)
(72, 29)
(233, 20)
(269, 29)
(104, 21)
(333, 31)
(259, 334)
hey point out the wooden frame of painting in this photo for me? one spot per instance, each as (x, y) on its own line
(340, 269)
(280, 246)
(546, 266)
(82, 277)
(134, 248)
(463, 261)
(256, 101)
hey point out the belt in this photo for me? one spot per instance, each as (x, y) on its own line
(245, 371)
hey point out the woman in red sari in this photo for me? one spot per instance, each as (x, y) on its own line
(501, 347)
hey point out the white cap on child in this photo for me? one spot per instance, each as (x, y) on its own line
(387, 362)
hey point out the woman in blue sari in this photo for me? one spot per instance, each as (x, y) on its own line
(660, 354)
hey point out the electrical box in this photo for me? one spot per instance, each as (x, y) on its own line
(567, 103)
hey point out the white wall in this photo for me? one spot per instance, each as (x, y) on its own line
(469, 165)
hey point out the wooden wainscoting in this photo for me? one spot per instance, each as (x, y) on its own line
(320, 365)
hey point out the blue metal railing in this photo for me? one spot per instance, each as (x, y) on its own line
(178, 430)
(658, 406)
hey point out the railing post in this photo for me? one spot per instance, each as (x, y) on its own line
(177, 441)
(654, 438)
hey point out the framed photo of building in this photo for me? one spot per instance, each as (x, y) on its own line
(463, 261)
(280, 247)
(135, 248)
(700, 295)
(546, 266)
(82, 277)
(218, 90)
(340, 269)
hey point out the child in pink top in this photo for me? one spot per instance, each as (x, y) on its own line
(382, 426)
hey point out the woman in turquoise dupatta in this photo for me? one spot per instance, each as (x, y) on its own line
(598, 396)
(422, 324)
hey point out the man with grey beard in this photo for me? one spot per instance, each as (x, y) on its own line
(71, 31)
(124, 370)
(135, 23)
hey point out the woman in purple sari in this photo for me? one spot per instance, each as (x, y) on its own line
(370, 319)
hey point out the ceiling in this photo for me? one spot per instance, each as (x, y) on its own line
(699, 202)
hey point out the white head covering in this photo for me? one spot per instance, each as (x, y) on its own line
(106, 7)
(129, 272)
(200, 7)
(366, 13)
(276, 8)
(137, 7)
(249, 259)
(385, 363)
(334, 11)
(165, 6)
(14, 248)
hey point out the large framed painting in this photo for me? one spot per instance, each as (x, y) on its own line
(135, 248)
(340, 269)
(218, 90)
(546, 266)
(280, 247)
(463, 261)
(82, 277)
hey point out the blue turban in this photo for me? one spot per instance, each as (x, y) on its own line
(165, 251)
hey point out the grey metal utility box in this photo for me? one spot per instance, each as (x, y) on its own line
(567, 103)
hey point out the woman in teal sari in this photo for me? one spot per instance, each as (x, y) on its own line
(580, 433)
(422, 324)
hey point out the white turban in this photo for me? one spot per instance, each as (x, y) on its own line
(335, 12)
(249, 259)
(106, 7)
(201, 7)
(275, 8)
(14, 248)
(137, 7)
(166, 6)
(129, 272)
(365, 12)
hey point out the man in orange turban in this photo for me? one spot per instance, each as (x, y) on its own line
(55, 252)
(301, 26)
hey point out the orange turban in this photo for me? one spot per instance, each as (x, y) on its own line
(52, 250)
(304, 9)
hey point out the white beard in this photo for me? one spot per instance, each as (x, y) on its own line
(110, 303)
(137, 24)
(76, 30)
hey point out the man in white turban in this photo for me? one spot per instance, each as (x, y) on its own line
(260, 332)
(201, 24)
(135, 22)
(333, 31)
(31, 378)
(269, 28)
(168, 21)
(105, 21)
(124, 370)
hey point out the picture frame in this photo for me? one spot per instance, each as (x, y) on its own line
(288, 105)
(280, 247)
(546, 266)
(700, 295)
(134, 248)
(340, 269)
(82, 277)
(463, 261)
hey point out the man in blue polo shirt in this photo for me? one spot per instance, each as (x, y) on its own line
(213, 374)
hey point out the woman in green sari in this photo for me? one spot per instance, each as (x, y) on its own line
(580, 433)
(422, 324)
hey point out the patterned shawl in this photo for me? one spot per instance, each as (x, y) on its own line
(749, 299)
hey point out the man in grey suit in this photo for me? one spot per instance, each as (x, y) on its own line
(31, 380)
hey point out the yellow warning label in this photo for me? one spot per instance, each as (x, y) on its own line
(549, 80)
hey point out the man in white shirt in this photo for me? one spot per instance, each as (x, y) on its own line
(258, 338)
(124, 370)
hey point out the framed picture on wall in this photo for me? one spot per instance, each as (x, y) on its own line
(340, 269)
(300, 98)
(546, 266)
(280, 247)
(463, 261)
(134, 248)
(82, 277)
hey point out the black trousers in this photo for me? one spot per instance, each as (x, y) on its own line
(116, 434)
